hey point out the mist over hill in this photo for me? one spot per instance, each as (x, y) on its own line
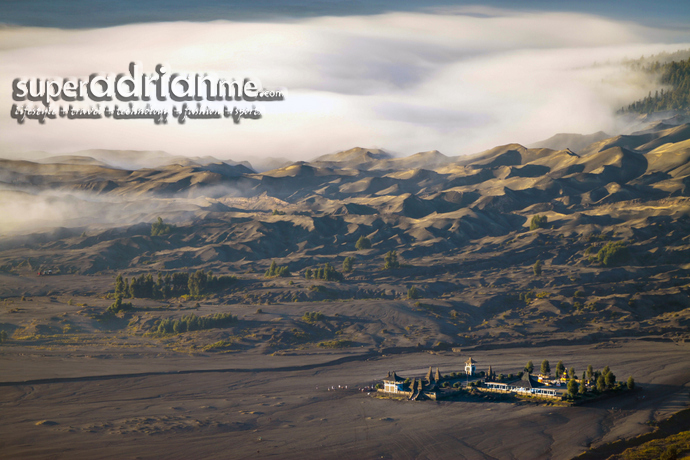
(420, 203)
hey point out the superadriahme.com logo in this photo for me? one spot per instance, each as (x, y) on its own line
(193, 96)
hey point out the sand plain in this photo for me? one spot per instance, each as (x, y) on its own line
(258, 410)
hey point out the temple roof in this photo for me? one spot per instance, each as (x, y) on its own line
(393, 377)
(471, 361)
(527, 381)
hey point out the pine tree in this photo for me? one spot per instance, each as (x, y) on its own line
(159, 288)
(610, 379)
(347, 264)
(529, 368)
(538, 222)
(149, 287)
(391, 260)
(572, 387)
(560, 368)
(119, 286)
(601, 383)
(328, 273)
(134, 288)
(363, 243)
(159, 228)
(271, 272)
(675, 74)
(545, 367)
(537, 268)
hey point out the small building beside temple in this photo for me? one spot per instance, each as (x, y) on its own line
(413, 389)
(527, 385)
(392, 383)
(470, 367)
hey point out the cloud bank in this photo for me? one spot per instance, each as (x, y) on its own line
(459, 81)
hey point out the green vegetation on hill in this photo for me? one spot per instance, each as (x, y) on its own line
(391, 260)
(335, 344)
(537, 268)
(195, 323)
(118, 306)
(312, 316)
(668, 448)
(200, 282)
(538, 222)
(159, 228)
(413, 293)
(613, 253)
(327, 273)
(171, 285)
(363, 243)
(348, 264)
(673, 74)
(277, 271)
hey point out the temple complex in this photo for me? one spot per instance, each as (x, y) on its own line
(434, 386)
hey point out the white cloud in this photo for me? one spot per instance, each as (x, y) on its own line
(459, 82)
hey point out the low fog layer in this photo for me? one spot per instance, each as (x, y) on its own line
(408, 82)
(31, 210)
